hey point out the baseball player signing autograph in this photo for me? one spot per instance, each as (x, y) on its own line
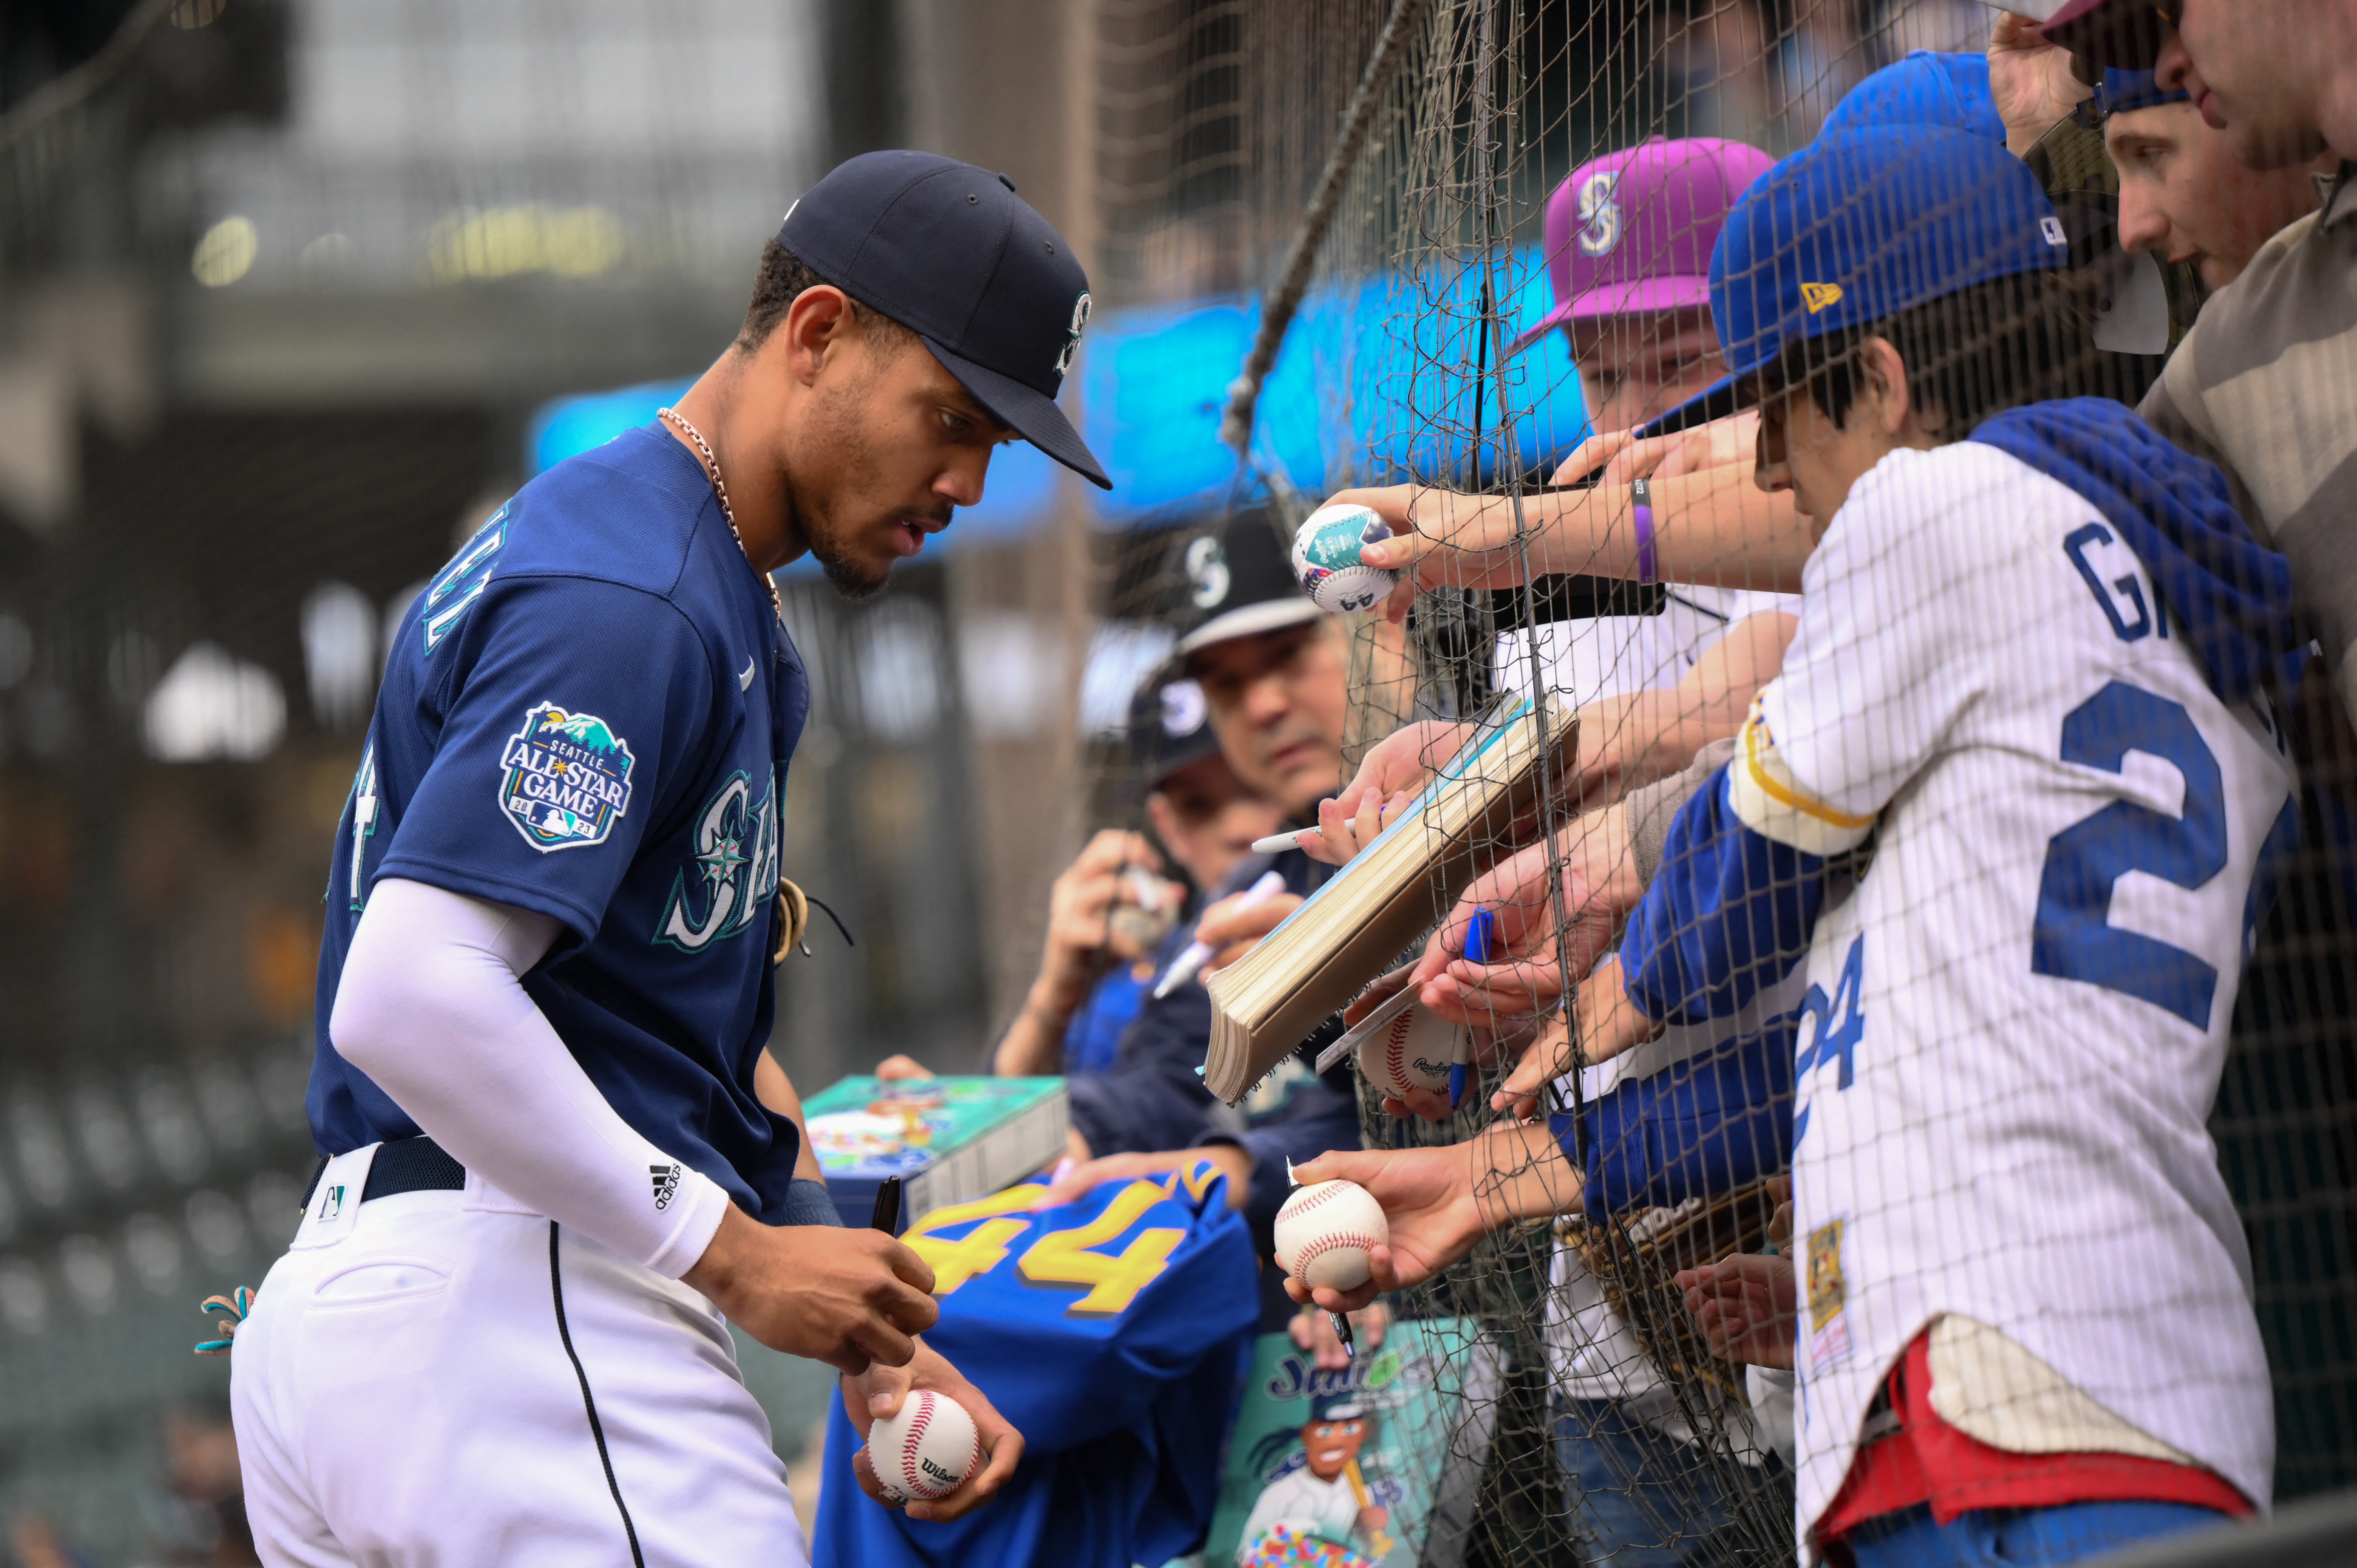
(558, 1155)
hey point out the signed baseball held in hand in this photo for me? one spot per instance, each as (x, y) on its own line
(1413, 1051)
(926, 1449)
(1326, 559)
(1324, 1230)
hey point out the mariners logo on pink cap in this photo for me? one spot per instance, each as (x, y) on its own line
(1632, 231)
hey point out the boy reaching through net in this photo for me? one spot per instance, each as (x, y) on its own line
(2009, 804)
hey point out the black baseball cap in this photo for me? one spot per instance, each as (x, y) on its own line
(1240, 583)
(950, 253)
(1169, 727)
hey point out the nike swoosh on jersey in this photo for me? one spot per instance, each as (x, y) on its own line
(745, 682)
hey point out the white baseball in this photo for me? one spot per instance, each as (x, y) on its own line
(1324, 1230)
(1413, 1051)
(1326, 559)
(926, 1449)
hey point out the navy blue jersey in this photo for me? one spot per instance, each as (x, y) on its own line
(588, 713)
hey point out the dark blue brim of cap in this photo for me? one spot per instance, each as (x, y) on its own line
(1724, 397)
(1031, 415)
(1176, 756)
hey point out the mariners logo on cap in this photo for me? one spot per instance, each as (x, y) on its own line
(1183, 709)
(1820, 296)
(1599, 214)
(1073, 339)
(1207, 569)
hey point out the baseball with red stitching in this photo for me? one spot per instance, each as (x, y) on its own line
(1324, 1231)
(1412, 1051)
(926, 1449)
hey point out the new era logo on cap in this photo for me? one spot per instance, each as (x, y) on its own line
(1818, 297)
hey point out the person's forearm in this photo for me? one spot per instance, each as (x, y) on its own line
(773, 1088)
(1651, 808)
(1520, 1173)
(1033, 1045)
(1731, 911)
(1659, 733)
(1627, 742)
(1713, 527)
(431, 1007)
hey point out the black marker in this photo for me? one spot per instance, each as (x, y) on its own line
(887, 1217)
(1342, 1331)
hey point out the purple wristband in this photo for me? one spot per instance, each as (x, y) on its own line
(1641, 495)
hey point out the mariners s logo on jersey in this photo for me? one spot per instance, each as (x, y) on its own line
(732, 872)
(567, 778)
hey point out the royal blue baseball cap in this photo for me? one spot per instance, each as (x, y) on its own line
(952, 254)
(1925, 89)
(1855, 228)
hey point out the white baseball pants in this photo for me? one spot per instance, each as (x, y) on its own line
(405, 1396)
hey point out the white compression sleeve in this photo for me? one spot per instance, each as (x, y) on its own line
(430, 1006)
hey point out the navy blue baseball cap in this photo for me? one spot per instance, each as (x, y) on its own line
(1169, 727)
(2121, 90)
(1855, 228)
(952, 254)
(1924, 89)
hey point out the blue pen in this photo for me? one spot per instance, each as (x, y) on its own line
(1480, 934)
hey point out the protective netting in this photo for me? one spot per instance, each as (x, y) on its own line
(194, 592)
(1615, 1427)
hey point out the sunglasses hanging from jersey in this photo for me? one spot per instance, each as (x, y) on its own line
(794, 921)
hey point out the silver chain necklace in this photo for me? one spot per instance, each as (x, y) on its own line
(728, 512)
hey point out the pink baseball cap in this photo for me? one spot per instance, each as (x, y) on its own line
(2120, 34)
(1632, 232)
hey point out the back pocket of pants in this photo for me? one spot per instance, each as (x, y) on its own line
(381, 1280)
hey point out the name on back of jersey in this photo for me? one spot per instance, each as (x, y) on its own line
(566, 779)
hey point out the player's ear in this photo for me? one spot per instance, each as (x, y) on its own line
(819, 321)
(1884, 385)
(1769, 471)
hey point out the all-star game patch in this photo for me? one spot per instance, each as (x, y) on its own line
(567, 779)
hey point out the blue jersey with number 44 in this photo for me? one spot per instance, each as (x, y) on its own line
(1113, 1332)
(587, 712)
(2033, 667)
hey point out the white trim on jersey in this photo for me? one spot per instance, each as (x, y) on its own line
(1769, 800)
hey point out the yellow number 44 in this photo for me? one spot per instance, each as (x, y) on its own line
(1064, 1257)
(980, 1250)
